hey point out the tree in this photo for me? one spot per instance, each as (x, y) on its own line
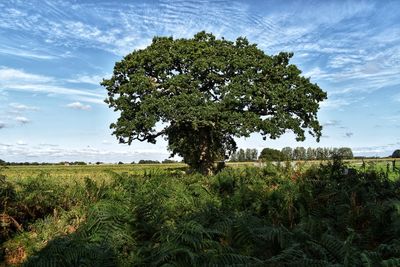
(327, 153)
(148, 161)
(206, 91)
(234, 157)
(396, 153)
(345, 152)
(299, 153)
(270, 154)
(248, 154)
(310, 154)
(287, 153)
(319, 151)
(254, 154)
(169, 161)
(241, 155)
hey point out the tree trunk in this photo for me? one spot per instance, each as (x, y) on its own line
(206, 159)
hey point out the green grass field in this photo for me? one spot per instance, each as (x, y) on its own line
(79, 172)
(105, 171)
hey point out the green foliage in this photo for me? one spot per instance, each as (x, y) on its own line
(148, 161)
(207, 91)
(271, 216)
(345, 153)
(8, 197)
(270, 154)
(242, 155)
(396, 153)
(319, 153)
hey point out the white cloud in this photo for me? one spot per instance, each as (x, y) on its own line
(21, 143)
(10, 76)
(335, 103)
(19, 80)
(22, 120)
(79, 105)
(23, 151)
(22, 107)
(94, 79)
(331, 123)
(24, 53)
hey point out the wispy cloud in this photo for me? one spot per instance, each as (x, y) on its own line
(21, 107)
(25, 151)
(21, 143)
(10, 75)
(331, 123)
(23, 52)
(383, 150)
(22, 120)
(90, 79)
(48, 145)
(19, 80)
(79, 105)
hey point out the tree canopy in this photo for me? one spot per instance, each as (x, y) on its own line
(200, 93)
(396, 153)
(270, 154)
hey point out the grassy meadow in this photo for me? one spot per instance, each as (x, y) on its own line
(287, 214)
(101, 172)
(106, 171)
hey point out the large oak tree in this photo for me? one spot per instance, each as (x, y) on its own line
(206, 91)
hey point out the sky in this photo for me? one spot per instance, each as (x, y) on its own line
(54, 54)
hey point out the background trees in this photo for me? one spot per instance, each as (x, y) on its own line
(270, 154)
(244, 155)
(207, 91)
(396, 153)
(345, 153)
(298, 153)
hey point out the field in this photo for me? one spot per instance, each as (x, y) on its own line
(106, 171)
(288, 214)
(79, 172)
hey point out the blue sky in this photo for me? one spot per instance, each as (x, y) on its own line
(53, 54)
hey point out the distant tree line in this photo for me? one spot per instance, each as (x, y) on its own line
(148, 161)
(2, 162)
(301, 153)
(244, 155)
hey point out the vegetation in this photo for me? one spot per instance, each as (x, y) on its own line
(319, 153)
(270, 154)
(148, 161)
(205, 91)
(242, 155)
(273, 216)
(396, 153)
